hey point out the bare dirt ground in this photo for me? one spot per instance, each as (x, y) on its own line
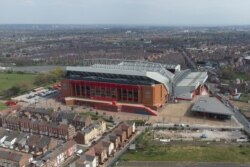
(175, 113)
(210, 134)
(179, 113)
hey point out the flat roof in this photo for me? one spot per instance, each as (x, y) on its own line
(193, 78)
(211, 105)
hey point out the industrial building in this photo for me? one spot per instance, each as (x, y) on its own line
(129, 86)
(211, 107)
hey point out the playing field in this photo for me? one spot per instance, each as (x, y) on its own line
(8, 80)
(147, 151)
(2, 106)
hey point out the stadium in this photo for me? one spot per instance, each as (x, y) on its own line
(130, 86)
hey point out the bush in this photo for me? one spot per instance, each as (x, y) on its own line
(48, 78)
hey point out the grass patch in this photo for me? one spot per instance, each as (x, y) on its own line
(191, 154)
(93, 115)
(147, 150)
(7, 80)
(2, 106)
(245, 97)
(240, 75)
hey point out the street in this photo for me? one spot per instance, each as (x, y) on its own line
(243, 121)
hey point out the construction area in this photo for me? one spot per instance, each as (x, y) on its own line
(200, 135)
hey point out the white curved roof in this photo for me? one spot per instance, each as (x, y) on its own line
(154, 71)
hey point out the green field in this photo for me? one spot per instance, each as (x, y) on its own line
(147, 151)
(7, 80)
(2, 106)
(245, 97)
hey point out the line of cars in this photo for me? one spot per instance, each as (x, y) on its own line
(43, 93)
(34, 96)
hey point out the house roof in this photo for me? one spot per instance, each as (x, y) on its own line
(59, 150)
(9, 155)
(11, 136)
(66, 115)
(44, 141)
(88, 129)
(33, 140)
(90, 152)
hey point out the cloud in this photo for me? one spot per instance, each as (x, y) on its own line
(169, 12)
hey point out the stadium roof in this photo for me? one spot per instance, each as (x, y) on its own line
(247, 58)
(138, 68)
(211, 105)
(193, 79)
(155, 71)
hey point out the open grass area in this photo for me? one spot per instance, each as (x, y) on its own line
(240, 75)
(2, 106)
(245, 97)
(147, 151)
(7, 80)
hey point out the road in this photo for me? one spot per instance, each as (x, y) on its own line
(240, 117)
(187, 57)
(243, 121)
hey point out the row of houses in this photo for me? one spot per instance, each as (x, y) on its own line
(57, 156)
(27, 143)
(67, 117)
(62, 131)
(106, 147)
(10, 158)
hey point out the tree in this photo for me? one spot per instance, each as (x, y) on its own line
(111, 118)
(48, 78)
(227, 73)
(57, 72)
(13, 91)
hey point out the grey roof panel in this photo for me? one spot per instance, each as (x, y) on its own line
(211, 105)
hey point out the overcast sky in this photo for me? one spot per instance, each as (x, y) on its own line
(159, 12)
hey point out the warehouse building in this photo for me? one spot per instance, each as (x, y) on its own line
(131, 86)
(211, 107)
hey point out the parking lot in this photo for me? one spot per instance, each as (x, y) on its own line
(35, 96)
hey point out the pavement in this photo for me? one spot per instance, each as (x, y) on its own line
(241, 118)
(243, 121)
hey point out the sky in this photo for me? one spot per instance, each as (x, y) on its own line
(135, 12)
